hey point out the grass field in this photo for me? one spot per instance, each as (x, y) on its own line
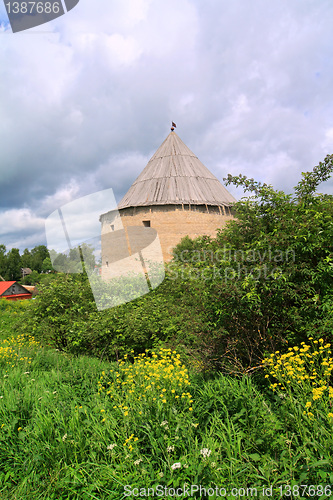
(81, 428)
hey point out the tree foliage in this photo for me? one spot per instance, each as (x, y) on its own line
(276, 276)
(263, 284)
(13, 265)
(39, 261)
(12, 262)
(268, 276)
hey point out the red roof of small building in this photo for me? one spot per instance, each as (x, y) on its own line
(4, 285)
(17, 296)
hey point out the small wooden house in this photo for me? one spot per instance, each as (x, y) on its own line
(12, 290)
(25, 271)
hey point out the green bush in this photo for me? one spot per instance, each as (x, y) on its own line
(58, 309)
(264, 283)
(65, 316)
(268, 276)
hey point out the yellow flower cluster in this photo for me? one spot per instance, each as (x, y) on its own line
(305, 369)
(12, 349)
(300, 364)
(159, 378)
(128, 442)
(318, 392)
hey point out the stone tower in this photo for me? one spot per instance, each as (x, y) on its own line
(176, 195)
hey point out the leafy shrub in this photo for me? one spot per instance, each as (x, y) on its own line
(268, 276)
(61, 306)
(264, 283)
(65, 316)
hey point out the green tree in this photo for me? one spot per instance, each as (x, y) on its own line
(38, 255)
(2, 260)
(280, 266)
(270, 281)
(88, 256)
(47, 265)
(13, 265)
(26, 259)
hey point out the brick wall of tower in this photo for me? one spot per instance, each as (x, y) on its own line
(172, 223)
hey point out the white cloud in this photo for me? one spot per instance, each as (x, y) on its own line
(327, 144)
(19, 220)
(83, 108)
(62, 196)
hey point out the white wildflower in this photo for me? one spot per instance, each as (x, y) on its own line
(177, 465)
(111, 446)
(165, 422)
(64, 437)
(205, 452)
(170, 449)
(160, 474)
(137, 462)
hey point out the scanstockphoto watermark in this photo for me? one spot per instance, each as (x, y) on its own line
(227, 254)
(195, 490)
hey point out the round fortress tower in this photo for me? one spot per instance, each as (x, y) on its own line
(176, 195)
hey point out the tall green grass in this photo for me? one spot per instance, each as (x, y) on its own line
(80, 428)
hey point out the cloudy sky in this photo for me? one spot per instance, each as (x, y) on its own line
(87, 98)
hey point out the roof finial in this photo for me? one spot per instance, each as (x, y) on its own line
(173, 126)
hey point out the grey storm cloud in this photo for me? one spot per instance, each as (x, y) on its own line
(87, 98)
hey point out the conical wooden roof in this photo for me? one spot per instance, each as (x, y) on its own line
(174, 175)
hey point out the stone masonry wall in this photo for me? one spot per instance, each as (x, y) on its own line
(171, 222)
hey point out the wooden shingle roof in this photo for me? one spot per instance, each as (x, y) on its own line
(174, 175)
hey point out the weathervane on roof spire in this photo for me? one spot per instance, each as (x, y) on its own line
(173, 126)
